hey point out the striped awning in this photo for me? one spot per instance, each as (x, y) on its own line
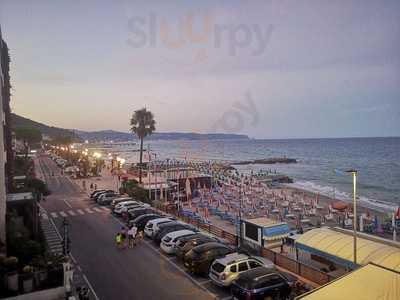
(276, 237)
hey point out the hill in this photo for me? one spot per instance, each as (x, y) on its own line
(111, 135)
(51, 131)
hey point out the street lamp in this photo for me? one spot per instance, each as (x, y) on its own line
(354, 174)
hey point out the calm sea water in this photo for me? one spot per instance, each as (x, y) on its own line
(377, 159)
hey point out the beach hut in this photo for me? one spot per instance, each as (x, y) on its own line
(263, 232)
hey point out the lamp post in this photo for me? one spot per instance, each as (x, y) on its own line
(354, 174)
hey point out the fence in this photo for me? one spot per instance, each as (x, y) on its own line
(278, 259)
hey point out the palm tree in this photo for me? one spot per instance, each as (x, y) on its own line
(142, 124)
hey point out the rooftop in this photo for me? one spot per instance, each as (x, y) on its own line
(372, 280)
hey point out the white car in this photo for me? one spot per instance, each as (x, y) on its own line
(149, 228)
(126, 202)
(169, 241)
(127, 206)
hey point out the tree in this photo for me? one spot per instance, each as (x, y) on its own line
(142, 124)
(28, 136)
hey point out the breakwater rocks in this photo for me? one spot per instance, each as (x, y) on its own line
(267, 161)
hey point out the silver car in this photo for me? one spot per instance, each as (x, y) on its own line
(225, 270)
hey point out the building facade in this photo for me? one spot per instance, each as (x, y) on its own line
(3, 155)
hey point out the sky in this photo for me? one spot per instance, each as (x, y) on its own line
(269, 69)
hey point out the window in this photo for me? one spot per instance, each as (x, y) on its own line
(233, 269)
(251, 231)
(253, 264)
(243, 266)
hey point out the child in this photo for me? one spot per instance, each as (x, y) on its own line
(118, 240)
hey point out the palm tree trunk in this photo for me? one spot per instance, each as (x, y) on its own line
(141, 160)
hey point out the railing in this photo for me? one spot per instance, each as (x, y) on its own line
(278, 259)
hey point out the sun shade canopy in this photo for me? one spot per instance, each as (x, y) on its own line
(369, 282)
(338, 247)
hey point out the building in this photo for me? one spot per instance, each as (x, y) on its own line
(264, 232)
(3, 158)
(334, 247)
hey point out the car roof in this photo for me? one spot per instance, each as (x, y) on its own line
(257, 273)
(156, 221)
(178, 233)
(232, 258)
(208, 246)
(139, 218)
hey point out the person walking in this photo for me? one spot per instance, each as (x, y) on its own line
(118, 240)
(123, 237)
(132, 236)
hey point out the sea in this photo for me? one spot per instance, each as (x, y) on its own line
(376, 159)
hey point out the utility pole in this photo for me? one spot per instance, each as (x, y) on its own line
(354, 174)
(66, 241)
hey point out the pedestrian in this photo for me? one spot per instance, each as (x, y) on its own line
(95, 186)
(118, 240)
(123, 237)
(91, 185)
(132, 236)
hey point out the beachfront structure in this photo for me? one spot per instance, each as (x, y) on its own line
(2, 153)
(369, 282)
(263, 232)
(334, 246)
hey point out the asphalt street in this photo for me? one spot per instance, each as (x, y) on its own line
(139, 273)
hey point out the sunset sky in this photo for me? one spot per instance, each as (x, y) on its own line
(270, 69)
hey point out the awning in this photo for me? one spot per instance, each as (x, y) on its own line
(276, 237)
(338, 247)
(369, 282)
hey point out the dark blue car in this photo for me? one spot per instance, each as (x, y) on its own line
(262, 283)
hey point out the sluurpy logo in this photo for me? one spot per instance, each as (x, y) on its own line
(198, 33)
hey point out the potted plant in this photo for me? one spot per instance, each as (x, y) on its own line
(27, 279)
(11, 276)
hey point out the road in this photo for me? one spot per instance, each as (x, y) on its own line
(139, 273)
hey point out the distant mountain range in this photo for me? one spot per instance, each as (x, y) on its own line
(116, 136)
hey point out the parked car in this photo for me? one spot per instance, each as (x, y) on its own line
(150, 225)
(97, 195)
(184, 245)
(94, 192)
(106, 198)
(126, 205)
(119, 200)
(141, 221)
(262, 283)
(167, 228)
(136, 212)
(168, 242)
(225, 270)
(199, 259)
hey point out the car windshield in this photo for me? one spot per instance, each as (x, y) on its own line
(218, 267)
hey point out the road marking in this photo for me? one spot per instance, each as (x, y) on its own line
(71, 213)
(54, 215)
(204, 282)
(80, 211)
(88, 210)
(67, 203)
(97, 209)
(199, 285)
(63, 214)
(105, 208)
(90, 287)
